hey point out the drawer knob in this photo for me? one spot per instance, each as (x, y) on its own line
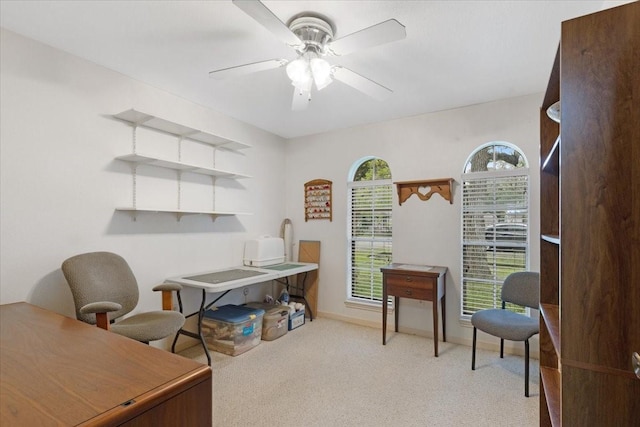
(409, 279)
(407, 291)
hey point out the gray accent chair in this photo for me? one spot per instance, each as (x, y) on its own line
(522, 288)
(104, 290)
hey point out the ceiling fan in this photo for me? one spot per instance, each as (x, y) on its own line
(311, 35)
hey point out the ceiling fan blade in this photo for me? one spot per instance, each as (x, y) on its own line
(301, 99)
(241, 70)
(384, 32)
(267, 19)
(361, 83)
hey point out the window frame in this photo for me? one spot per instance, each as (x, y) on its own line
(385, 241)
(521, 214)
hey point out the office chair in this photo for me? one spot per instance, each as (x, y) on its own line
(104, 289)
(522, 288)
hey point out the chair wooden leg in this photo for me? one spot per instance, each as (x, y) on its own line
(102, 320)
(501, 348)
(473, 350)
(167, 300)
(526, 368)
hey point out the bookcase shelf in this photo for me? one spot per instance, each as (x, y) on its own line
(551, 315)
(551, 238)
(551, 385)
(552, 161)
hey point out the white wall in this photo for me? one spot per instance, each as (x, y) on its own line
(60, 183)
(422, 147)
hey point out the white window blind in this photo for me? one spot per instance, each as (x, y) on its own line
(495, 234)
(370, 240)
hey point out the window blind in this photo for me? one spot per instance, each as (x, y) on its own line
(495, 234)
(370, 237)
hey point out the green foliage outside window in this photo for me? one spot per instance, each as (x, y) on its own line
(372, 170)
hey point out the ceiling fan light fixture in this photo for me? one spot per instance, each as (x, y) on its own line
(321, 71)
(311, 35)
(299, 72)
(303, 85)
(304, 71)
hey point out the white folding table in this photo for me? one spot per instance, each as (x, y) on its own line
(222, 281)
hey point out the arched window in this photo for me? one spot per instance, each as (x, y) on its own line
(369, 228)
(495, 223)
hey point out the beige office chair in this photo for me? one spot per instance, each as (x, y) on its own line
(105, 289)
(522, 288)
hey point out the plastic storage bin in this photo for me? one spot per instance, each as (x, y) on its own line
(275, 320)
(232, 329)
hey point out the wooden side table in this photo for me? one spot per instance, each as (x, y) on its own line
(420, 282)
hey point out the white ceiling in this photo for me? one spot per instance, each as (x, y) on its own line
(456, 53)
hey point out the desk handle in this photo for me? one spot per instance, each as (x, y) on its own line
(409, 279)
(407, 291)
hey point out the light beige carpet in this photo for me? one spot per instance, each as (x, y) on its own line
(331, 373)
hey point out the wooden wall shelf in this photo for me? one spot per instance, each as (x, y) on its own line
(441, 186)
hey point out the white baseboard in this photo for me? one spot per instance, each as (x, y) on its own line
(509, 348)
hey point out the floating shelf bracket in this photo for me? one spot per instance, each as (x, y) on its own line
(441, 186)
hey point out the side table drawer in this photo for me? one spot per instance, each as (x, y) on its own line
(409, 281)
(409, 292)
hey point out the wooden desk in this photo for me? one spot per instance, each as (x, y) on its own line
(60, 371)
(420, 282)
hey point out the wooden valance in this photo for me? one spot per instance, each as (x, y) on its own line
(441, 186)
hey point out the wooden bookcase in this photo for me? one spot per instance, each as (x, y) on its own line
(590, 224)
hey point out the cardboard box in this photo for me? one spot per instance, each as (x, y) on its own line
(296, 319)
